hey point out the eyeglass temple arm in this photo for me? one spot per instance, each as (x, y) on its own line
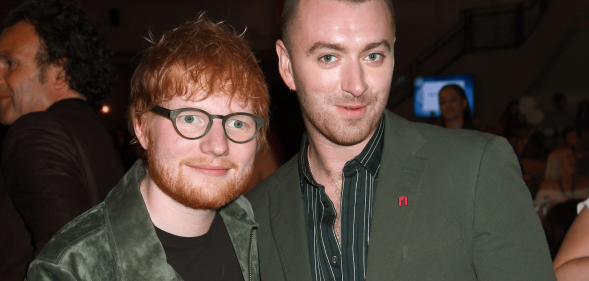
(161, 111)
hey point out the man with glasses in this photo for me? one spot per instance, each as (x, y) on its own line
(198, 106)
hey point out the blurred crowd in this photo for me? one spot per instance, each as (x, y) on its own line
(552, 148)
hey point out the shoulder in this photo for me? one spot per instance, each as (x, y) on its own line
(441, 140)
(447, 150)
(454, 138)
(84, 236)
(30, 136)
(284, 173)
(34, 121)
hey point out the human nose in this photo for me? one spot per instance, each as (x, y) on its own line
(215, 142)
(353, 80)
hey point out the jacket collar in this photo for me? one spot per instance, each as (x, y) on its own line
(401, 174)
(238, 218)
(139, 253)
(287, 221)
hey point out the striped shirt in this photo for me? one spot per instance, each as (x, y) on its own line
(330, 260)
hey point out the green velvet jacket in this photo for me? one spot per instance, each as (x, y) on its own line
(449, 205)
(116, 240)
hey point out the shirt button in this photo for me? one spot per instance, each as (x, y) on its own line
(334, 259)
(325, 204)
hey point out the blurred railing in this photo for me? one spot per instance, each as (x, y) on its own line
(486, 28)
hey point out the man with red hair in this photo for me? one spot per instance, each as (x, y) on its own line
(198, 107)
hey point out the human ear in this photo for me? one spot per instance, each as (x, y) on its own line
(56, 74)
(141, 132)
(284, 65)
(464, 104)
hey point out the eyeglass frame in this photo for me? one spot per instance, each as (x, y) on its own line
(173, 114)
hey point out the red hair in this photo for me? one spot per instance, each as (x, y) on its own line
(195, 60)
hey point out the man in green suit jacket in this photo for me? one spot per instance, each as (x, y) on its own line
(371, 195)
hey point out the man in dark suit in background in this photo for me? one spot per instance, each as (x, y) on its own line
(57, 159)
(371, 195)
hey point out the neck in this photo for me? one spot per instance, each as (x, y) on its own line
(171, 216)
(455, 123)
(69, 94)
(328, 159)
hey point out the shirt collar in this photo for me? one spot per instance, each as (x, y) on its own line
(369, 158)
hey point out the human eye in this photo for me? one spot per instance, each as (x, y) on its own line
(8, 63)
(189, 119)
(236, 124)
(375, 58)
(328, 58)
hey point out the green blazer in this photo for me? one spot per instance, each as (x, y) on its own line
(468, 216)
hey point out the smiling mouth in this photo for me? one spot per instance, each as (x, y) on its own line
(210, 170)
(353, 111)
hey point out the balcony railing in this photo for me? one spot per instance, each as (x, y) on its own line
(479, 29)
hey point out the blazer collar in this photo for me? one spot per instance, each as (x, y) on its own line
(288, 223)
(401, 173)
(401, 135)
(139, 253)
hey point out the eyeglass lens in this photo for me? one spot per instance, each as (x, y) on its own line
(193, 124)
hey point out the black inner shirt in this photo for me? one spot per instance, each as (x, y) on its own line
(207, 257)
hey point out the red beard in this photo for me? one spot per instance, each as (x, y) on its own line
(208, 194)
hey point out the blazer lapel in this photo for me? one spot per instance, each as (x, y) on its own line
(400, 177)
(288, 223)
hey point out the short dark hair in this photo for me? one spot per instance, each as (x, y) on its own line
(289, 11)
(68, 39)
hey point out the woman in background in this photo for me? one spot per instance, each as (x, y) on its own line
(454, 107)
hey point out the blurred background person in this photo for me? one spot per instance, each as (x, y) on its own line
(533, 162)
(569, 138)
(57, 158)
(573, 178)
(559, 118)
(15, 241)
(454, 108)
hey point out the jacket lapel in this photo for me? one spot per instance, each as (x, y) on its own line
(400, 177)
(288, 223)
(139, 254)
(238, 218)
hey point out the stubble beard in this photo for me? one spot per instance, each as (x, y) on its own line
(207, 194)
(337, 129)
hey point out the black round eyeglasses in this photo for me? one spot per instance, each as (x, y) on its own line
(194, 123)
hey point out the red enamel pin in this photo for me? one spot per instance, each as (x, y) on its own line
(403, 201)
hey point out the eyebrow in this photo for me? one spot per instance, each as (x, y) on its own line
(324, 45)
(338, 47)
(371, 46)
